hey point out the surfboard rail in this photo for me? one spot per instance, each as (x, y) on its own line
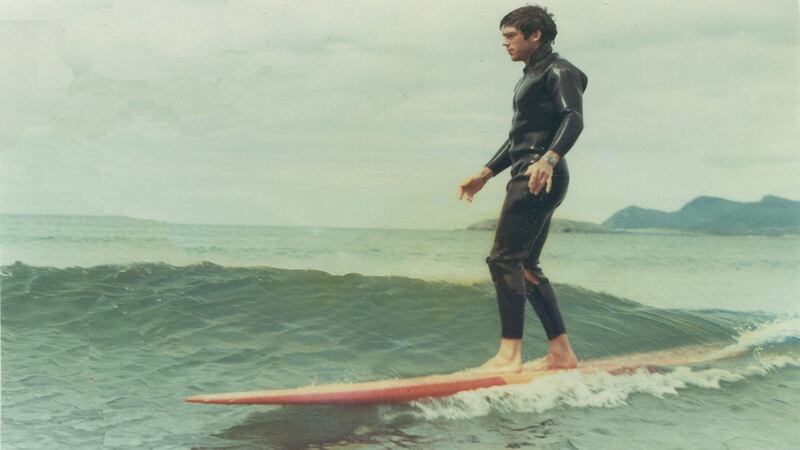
(432, 386)
(385, 391)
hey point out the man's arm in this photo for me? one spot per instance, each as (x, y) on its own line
(501, 160)
(566, 86)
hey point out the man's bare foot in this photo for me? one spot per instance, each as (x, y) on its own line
(536, 365)
(498, 365)
(552, 362)
(507, 359)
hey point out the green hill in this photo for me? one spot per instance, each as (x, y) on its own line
(771, 215)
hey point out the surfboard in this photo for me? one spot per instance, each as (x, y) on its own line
(408, 389)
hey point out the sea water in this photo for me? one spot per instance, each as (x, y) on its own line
(107, 323)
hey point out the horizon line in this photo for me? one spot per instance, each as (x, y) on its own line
(385, 227)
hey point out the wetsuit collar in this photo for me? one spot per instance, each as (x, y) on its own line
(541, 53)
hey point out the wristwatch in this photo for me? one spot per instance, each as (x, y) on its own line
(550, 160)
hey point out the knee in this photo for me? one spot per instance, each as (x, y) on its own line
(541, 292)
(531, 278)
(506, 272)
(537, 286)
(535, 276)
(502, 266)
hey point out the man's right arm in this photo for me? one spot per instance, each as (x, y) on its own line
(473, 184)
(501, 160)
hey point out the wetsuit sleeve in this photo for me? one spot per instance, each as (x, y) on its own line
(502, 159)
(567, 85)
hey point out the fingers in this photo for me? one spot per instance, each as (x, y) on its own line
(470, 187)
(463, 189)
(538, 180)
(535, 181)
(532, 174)
(463, 192)
(546, 182)
(543, 180)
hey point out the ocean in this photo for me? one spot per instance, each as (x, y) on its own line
(109, 322)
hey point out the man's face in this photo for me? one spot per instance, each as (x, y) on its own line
(519, 48)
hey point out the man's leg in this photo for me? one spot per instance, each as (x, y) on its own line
(521, 221)
(543, 299)
(539, 292)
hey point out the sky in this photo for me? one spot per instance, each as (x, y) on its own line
(369, 114)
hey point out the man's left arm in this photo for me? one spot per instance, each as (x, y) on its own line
(566, 85)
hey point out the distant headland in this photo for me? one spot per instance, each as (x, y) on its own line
(770, 216)
(557, 225)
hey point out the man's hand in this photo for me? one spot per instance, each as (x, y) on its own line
(473, 184)
(540, 175)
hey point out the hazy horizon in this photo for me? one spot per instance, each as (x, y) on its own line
(361, 115)
(319, 226)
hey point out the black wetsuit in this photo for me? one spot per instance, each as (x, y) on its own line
(547, 116)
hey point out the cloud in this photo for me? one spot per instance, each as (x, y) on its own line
(192, 100)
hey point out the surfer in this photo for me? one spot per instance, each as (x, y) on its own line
(546, 123)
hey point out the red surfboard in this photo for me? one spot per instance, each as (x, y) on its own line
(407, 389)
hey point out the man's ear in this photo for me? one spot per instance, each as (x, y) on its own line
(536, 36)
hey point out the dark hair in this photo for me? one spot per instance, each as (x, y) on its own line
(528, 19)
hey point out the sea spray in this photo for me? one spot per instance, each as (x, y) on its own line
(574, 388)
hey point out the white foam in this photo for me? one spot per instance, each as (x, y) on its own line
(602, 390)
(776, 332)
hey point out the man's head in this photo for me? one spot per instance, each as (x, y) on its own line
(529, 19)
(525, 29)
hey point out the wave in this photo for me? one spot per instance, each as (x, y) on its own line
(204, 328)
(162, 304)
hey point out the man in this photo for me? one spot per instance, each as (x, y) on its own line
(546, 123)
